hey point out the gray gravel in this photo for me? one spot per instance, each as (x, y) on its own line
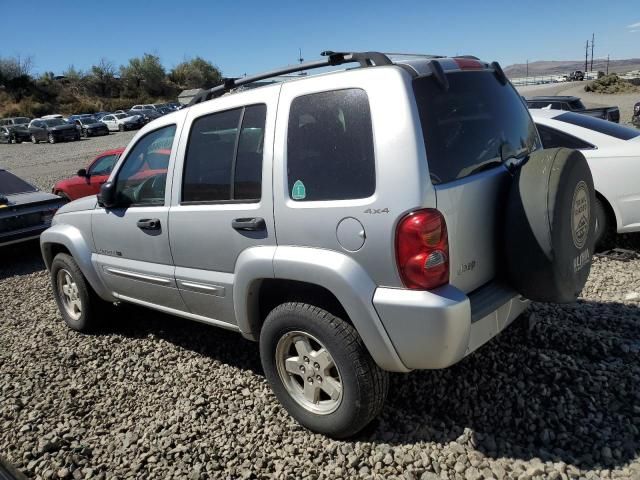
(151, 396)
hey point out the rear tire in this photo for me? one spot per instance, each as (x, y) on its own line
(79, 305)
(320, 370)
(52, 139)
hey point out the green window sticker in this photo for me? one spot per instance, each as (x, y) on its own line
(298, 192)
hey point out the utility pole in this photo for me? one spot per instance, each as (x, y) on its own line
(526, 82)
(607, 64)
(593, 37)
(586, 56)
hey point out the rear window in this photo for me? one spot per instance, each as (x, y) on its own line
(477, 123)
(11, 185)
(598, 125)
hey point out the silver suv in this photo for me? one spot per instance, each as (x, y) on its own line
(383, 218)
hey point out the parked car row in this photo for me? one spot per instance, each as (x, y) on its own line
(573, 104)
(56, 128)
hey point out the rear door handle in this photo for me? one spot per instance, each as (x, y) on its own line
(149, 224)
(249, 224)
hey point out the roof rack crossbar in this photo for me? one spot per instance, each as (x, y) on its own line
(365, 59)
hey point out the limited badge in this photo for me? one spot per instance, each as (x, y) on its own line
(298, 192)
(580, 215)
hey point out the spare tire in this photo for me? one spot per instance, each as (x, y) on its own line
(550, 226)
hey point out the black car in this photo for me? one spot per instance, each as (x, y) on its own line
(25, 211)
(52, 130)
(90, 127)
(16, 134)
(146, 114)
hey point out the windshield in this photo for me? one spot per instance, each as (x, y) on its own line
(475, 124)
(120, 115)
(601, 126)
(20, 120)
(11, 185)
(54, 122)
(88, 120)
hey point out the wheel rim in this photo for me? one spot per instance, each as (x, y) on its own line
(33, 138)
(309, 373)
(68, 291)
(50, 138)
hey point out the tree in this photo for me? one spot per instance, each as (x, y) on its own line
(103, 79)
(144, 74)
(195, 73)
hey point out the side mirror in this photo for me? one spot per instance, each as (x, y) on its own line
(83, 173)
(107, 195)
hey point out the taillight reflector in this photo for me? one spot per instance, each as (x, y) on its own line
(468, 64)
(422, 250)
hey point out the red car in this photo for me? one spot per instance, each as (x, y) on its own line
(88, 181)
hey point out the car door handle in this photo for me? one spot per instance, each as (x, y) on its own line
(149, 224)
(249, 224)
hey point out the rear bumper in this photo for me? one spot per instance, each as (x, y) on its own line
(436, 329)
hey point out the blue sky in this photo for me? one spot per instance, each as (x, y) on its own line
(250, 36)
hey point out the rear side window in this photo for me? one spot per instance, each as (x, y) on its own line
(477, 123)
(224, 157)
(330, 152)
(601, 126)
(552, 138)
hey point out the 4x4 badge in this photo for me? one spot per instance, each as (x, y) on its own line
(298, 192)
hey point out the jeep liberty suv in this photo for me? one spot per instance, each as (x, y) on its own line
(383, 218)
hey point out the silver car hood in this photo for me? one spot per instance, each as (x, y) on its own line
(85, 203)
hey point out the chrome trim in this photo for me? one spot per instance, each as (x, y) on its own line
(138, 276)
(202, 288)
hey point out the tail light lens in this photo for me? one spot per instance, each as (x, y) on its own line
(422, 250)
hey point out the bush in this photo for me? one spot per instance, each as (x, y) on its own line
(611, 84)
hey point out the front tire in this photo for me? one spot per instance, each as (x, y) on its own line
(121, 128)
(34, 139)
(78, 303)
(52, 139)
(320, 370)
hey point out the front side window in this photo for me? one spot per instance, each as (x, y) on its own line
(143, 177)
(330, 153)
(103, 165)
(224, 156)
(475, 124)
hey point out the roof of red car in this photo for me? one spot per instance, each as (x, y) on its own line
(115, 151)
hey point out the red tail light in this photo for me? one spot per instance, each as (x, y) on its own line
(422, 250)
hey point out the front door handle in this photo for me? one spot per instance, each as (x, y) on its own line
(149, 224)
(249, 224)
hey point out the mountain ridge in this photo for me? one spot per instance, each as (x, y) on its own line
(561, 67)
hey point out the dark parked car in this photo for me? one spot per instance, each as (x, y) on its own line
(90, 127)
(25, 211)
(17, 134)
(576, 76)
(146, 114)
(52, 130)
(635, 119)
(573, 104)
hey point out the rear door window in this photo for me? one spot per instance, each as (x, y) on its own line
(477, 123)
(222, 165)
(330, 152)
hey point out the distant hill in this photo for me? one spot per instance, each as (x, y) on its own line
(561, 67)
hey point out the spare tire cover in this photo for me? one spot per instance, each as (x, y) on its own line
(550, 226)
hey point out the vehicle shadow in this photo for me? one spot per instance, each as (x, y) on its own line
(20, 259)
(560, 384)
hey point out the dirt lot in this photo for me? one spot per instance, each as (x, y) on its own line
(151, 396)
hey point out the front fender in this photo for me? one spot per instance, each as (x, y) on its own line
(338, 273)
(71, 238)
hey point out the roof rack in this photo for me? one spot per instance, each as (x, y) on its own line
(365, 59)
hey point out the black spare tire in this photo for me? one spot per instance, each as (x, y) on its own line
(550, 226)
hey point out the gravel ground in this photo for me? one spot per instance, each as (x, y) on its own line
(151, 396)
(44, 164)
